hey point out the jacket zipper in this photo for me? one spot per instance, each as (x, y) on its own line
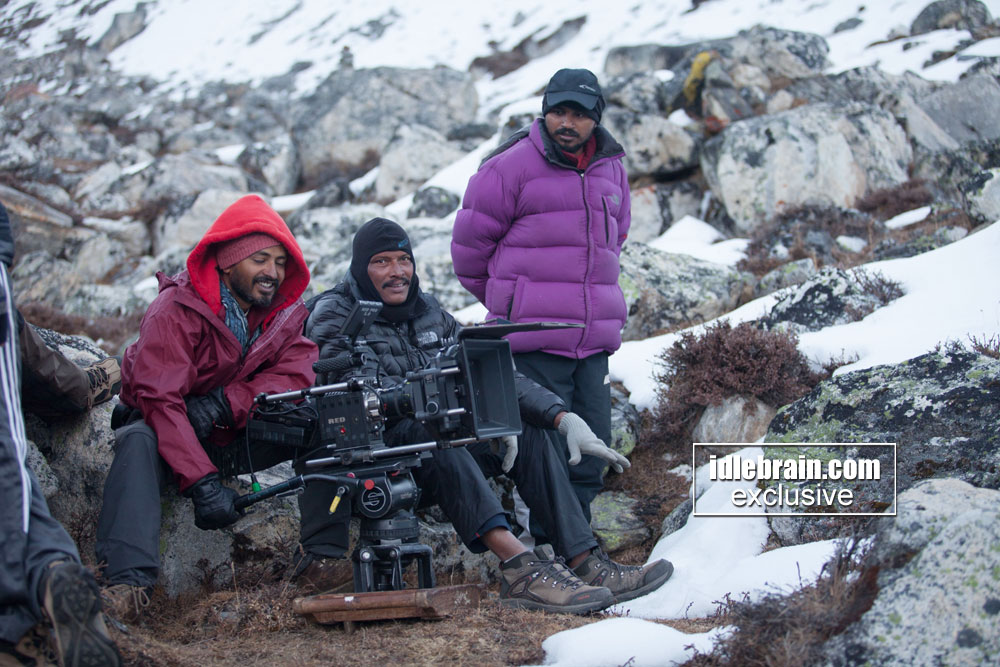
(590, 258)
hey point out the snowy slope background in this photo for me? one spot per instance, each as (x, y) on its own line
(951, 293)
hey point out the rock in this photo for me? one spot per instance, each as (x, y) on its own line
(786, 275)
(677, 518)
(185, 225)
(940, 408)
(664, 290)
(942, 236)
(615, 522)
(962, 109)
(951, 14)
(124, 26)
(275, 162)
(345, 125)
(938, 591)
(818, 155)
(655, 207)
(625, 422)
(653, 145)
(414, 154)
(831, 297)
(736, 419)
(433, 202)
(982, 192)
(961, 176)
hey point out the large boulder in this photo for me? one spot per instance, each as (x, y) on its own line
(653, 145)
(819, 154)
(941, 409)
(665, 290)
(343, 128)
(414, 154)
(938, 599)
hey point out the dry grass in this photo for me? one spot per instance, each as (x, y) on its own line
(988, 346)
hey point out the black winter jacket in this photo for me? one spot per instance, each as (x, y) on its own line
(410, 345)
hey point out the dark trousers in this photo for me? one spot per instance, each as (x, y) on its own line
(583, 386)
(456, 478)
(26, 555)
(128, 529)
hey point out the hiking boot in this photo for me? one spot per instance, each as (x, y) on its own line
(323, 574)
(105, 378)
(33, 649)
(627, 582)
(73, 603)
(538, 580)
(125, 602)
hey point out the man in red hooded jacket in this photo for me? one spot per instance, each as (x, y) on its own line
(217, 335)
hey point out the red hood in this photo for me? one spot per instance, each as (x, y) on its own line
(247, 215)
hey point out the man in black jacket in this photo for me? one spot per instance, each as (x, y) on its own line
(405, 337)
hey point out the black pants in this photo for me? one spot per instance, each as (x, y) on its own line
(128, 529)
(455, 479)
(26, 555)
(583, 386)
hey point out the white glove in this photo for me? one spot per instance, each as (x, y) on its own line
(581, 440)
(510, 443)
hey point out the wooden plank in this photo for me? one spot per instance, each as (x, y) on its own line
(427, 603)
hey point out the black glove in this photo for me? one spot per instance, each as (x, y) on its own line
(208, 412)
(213, 503)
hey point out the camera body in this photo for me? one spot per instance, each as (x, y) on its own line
(465, 394)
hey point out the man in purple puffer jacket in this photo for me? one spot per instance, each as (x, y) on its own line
(538, 239)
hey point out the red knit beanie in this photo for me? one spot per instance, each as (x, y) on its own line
(233, 252)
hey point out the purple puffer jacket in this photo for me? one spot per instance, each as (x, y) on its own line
(537, 241)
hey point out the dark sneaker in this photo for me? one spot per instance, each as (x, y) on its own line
(537, 580)
(627, 582)
(73, 604)
(125, 602)
(105, 378)
(323, 574)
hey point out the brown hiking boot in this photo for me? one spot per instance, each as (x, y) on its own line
(627, 582)
(73, 603)
(537, 580)
(125, 602)
(105, 378)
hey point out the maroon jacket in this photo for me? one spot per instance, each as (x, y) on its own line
(185, 347)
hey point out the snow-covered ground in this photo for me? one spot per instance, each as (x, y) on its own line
(951, 293)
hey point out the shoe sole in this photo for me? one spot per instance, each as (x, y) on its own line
(578, 609)
(76, 603)
(649, 587)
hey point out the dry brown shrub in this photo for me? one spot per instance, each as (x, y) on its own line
(791, 629)
(890, 202)
(988, 346)
(726, 361)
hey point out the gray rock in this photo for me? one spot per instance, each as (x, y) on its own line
(982, 192)
(677, 518)
(819, 155)
(343, 128)
(414, 154)
(786, 275)
(432, 202)
(663, 290)
(938, 591)
(736, 419)
(940, 408)
(963, 109)
(653, 145)
(958, 177)
(275, 162)
(831, 297)
(124, 26)
(951, 14)
(626, 422)
(183, 227)
(615, 522)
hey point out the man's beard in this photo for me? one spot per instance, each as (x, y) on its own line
(245, 292)
(570, 134)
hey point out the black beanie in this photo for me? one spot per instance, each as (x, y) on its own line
(375, 236)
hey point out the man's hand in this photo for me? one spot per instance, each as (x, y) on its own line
(213, 503)
(510, 443)
(581, 440)
(208, 411)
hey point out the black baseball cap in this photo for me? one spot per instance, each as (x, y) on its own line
(576, 86)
